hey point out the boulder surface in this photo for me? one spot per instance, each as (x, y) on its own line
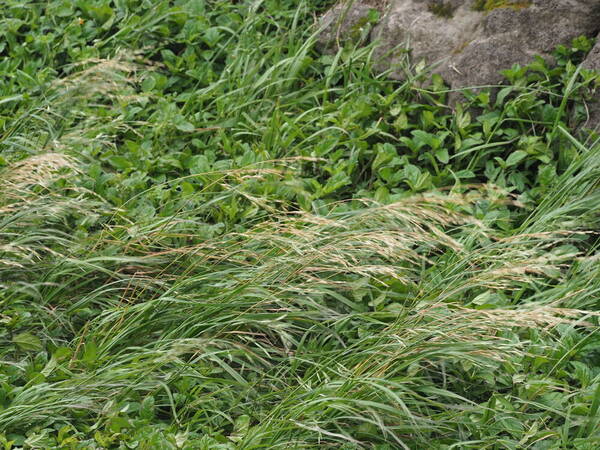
(592, 62)
(468, 42)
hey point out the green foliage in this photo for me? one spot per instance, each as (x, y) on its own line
(442, 8)
(489, 5)
(212, 236)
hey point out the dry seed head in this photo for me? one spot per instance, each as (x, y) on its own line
(40, 170)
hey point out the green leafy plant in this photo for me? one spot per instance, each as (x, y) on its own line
(212, 236)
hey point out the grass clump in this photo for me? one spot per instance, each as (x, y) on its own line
(219, 238)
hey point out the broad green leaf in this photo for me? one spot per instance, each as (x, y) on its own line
(442, 155)
(465, 174)
(422, 138)
(147, 409)
(119, 162)
(28, 342)
(515, 158)
(183, 125)
(385, 153)
(187, 188)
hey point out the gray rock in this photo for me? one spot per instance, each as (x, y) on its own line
(592, 62)
(344, 22)
(593, 123)
(467, 47)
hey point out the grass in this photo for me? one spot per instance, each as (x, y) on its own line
(212, 236)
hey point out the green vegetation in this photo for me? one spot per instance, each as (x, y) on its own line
(442, 9)
(489, 5)
(211, 236)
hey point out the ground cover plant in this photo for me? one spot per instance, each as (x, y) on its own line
(212, 236)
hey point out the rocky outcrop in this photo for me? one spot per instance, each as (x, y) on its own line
(468, 42)
(345, 21)
(592, 62)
